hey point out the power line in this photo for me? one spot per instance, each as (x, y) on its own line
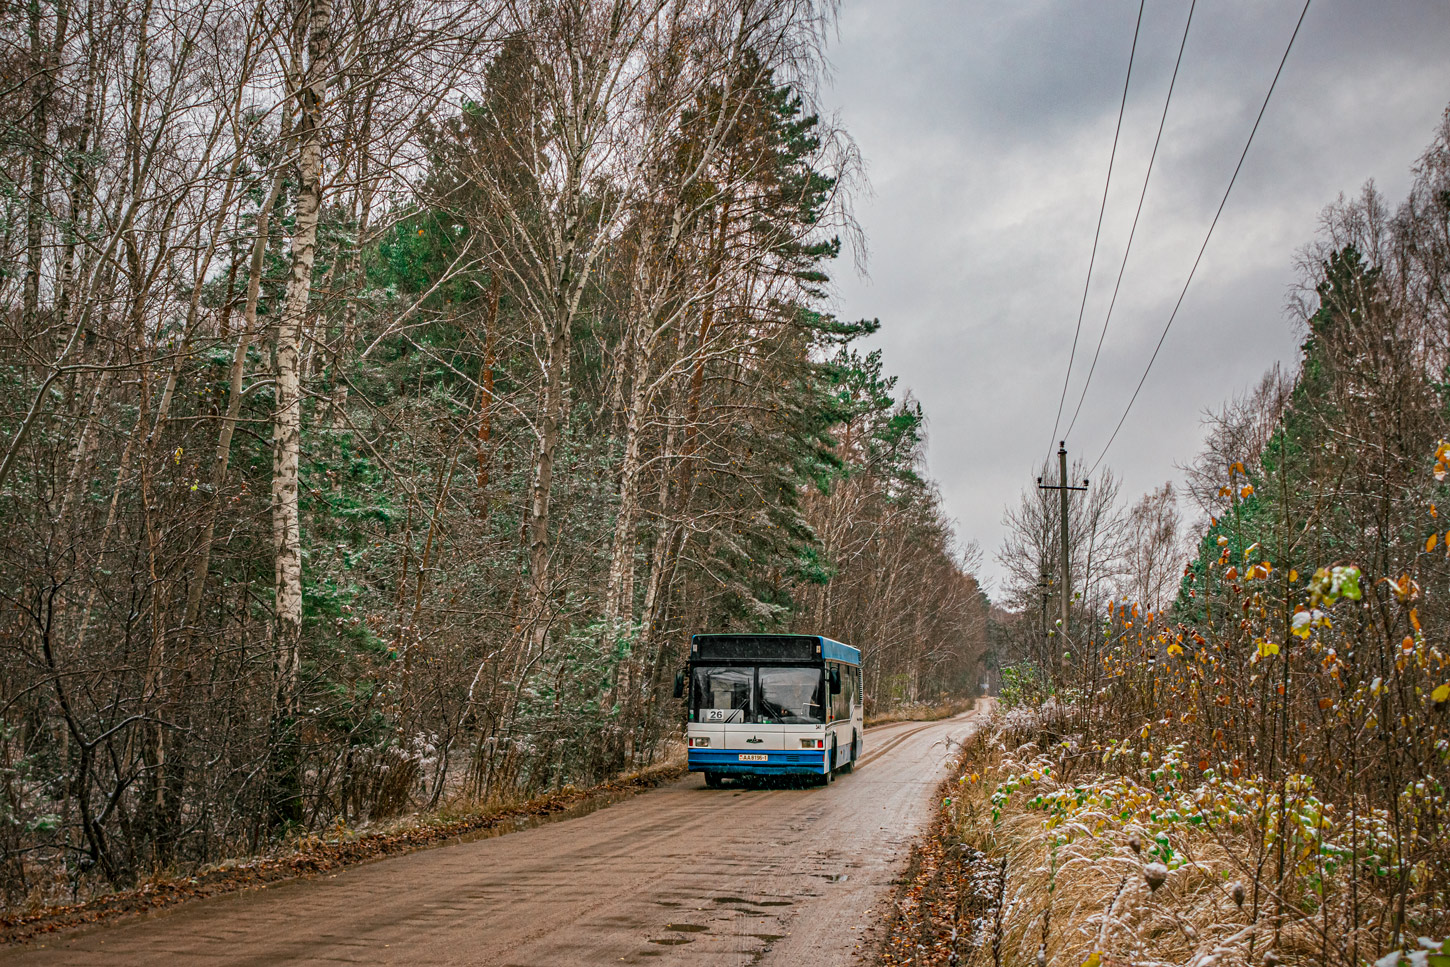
(1134, 230)
(1194, 269)
(1132, 54)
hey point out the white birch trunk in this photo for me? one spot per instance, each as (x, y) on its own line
(286, 435)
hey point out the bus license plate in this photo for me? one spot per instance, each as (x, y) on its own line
(753, 757)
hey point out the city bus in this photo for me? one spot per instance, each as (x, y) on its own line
(772, 705)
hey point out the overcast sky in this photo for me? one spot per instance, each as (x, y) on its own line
(986, 130)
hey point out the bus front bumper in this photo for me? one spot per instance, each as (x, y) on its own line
(728, 762)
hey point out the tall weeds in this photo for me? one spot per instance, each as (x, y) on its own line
(1256, 772)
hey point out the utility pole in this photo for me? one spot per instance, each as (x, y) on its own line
(1062, 487)
(1044, 588)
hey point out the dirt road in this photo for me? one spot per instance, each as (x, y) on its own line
(679, 875)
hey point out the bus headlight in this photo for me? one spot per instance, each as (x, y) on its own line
(699, 742)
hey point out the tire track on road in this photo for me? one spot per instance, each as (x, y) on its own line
(897, 740)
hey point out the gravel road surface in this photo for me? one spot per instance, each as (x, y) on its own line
(678, 875)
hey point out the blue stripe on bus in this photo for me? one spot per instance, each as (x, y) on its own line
(728, 760)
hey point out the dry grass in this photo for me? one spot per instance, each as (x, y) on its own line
(1082, 838)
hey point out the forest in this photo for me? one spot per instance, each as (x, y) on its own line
(1236, 750)
(390, 388)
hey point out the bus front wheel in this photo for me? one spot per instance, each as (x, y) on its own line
(712, 779)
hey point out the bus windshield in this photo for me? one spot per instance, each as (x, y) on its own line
(781, 695)
(789, 696)
(722, 694)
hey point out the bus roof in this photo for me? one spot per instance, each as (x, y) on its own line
(838, 651)
(741, 647)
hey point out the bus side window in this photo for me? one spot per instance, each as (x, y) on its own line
(841, 701)
(833, 702)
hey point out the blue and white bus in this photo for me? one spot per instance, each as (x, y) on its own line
(772, 705)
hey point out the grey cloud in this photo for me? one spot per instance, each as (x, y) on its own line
(986, 130)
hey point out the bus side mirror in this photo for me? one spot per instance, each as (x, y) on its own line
(835, 681)
(679, 684)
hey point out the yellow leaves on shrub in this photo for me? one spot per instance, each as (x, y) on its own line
(1442, 693)
(1266, 648)
(1430, 542)
(1240, 468)
(1225, 492)
(1442, 457)
(1249, 551)
(1175, 649)
(1095, 959)
(1405, 588)
(1231, 574)
(1247, 491)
